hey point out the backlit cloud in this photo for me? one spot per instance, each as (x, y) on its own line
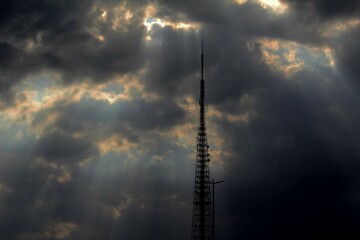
(99, 117)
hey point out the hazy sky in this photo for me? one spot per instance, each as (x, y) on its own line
(99, 110)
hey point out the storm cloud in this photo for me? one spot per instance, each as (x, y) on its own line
(99, 112)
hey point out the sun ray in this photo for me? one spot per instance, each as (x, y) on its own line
(274, 5)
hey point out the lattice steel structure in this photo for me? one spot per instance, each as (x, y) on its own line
(202, 211)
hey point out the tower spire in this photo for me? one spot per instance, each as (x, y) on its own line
(202, 211)
(202, 60)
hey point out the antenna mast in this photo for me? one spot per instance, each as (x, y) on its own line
(202, 221)
(202, 60)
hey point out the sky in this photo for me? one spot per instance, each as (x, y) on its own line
(99, 115)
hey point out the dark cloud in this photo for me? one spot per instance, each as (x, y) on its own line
(113, 186)
(247, 20)
(348, 54)
(233, 67)
(172, 60)
(63, 37)
(64, 149)
(290, 169)
(177, 66)
(14, 64)
(289, 175)
(122, 117)
(327, 9)
(23, 19)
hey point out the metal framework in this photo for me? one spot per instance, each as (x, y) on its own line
(202, 221)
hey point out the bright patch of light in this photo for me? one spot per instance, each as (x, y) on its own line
(100, 38)
(241, 1)
(52, 230)
(274, 5)
(41, 91)
(32, 44)
(120, 17)
(185, 140)
(243, 118)
(128, 15)
(150, 10)
(103, 16)
(29, 45)
(290, 57)
(329, 55)
(96, 34)
(334, 29)
(115, 143)
(149, 23)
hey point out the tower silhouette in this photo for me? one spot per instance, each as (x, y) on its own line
(202, 212)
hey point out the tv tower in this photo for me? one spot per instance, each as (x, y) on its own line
(202, 221)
